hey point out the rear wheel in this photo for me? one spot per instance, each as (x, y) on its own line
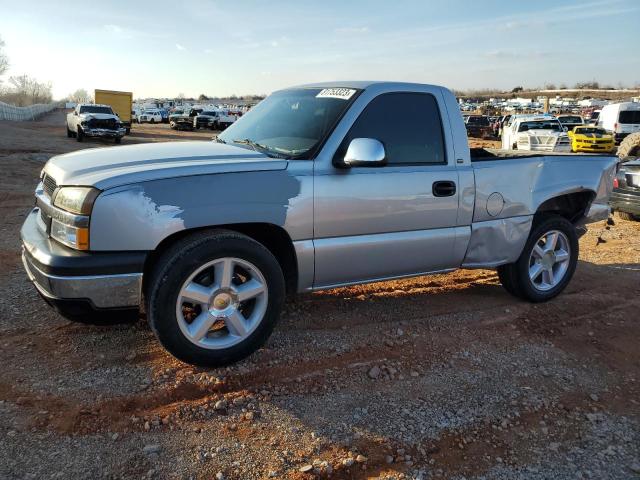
(547, 262)
(215, 297)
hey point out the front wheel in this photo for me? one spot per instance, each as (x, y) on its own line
(118, 140)
(69, 132)
(547, 262)
(215, 297)
(79, 135)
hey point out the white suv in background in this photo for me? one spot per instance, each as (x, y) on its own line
(150, 116)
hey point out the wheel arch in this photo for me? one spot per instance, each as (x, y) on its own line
(573, 206)
(273, 237)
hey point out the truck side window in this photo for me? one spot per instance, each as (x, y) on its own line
(408, 124)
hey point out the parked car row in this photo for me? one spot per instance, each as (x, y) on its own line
(196, 118)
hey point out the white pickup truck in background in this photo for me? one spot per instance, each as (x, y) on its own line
(542, 133)
(89, 120)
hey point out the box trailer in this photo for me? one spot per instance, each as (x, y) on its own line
(120, 102)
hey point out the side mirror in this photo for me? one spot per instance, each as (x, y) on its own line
(365, 152)
(565, 129)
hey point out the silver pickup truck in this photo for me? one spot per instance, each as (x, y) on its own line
(317, 187)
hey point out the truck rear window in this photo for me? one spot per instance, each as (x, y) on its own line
(629, 116)
(570, 119)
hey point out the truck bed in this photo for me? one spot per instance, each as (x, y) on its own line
(480, 154)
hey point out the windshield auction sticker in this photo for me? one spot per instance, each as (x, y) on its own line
(341, 93)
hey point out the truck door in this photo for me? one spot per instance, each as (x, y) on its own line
(395, 220)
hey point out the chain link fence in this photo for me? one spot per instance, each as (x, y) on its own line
(20, 114)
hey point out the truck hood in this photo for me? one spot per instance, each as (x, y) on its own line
(97, 116)
(115, 166)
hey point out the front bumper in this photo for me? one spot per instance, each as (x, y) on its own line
(541, 147)
(93, 280)
(603, 147)
(104, 132)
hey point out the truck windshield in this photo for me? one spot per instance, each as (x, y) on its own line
(291, 123)
(94, 109)
(524, 126)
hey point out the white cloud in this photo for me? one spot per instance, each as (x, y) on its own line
(352, 30)
(118, 31)
(180, 47)
(279, 41)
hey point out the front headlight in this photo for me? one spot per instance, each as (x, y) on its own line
(73, 230)
(78, 200)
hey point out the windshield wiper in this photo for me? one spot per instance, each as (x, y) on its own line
(219, 140)
(257, 147)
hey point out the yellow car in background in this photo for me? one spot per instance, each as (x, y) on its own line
(591, 139)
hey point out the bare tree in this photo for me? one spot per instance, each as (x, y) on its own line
(80, 96)
(28, 91)
(4, 60)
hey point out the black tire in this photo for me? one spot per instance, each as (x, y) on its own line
(629, 216)
(630, 147)
(178, 263)
(515, 276)
(508, 282)
(118, 140)
(79, 135)
(152, 120)
(69, 133)
(128, 131)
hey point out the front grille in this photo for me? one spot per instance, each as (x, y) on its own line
(109, 123)
(49, 185)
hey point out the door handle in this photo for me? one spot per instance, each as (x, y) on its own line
(444, 188)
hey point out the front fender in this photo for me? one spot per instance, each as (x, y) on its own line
(140, 216)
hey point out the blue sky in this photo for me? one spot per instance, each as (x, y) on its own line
(163, 48)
